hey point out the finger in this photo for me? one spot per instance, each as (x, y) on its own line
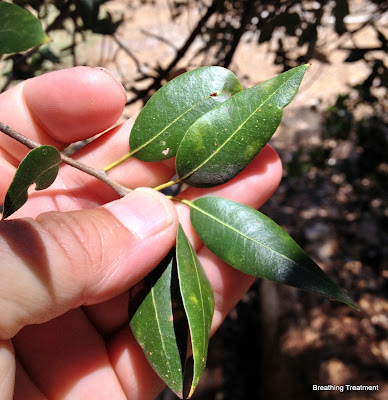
(25, 388)
(60, 107)
(64, 260)
(229, 285)
(7, 370)
(67, 358)
(111, 315)
(7, 171)
(137, 378)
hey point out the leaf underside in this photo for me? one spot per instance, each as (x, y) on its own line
(251, 242)
(222, 142)
(19, 29)
(168, 114)
(40, 166)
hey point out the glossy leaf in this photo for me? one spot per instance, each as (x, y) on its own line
(19, 29)
(168, 114)
(154, 325)
(40, 166)
(251, 242)
(198, 301)
(223, 141)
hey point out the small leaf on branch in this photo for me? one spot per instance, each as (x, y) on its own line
(19, 29)
(168, 114)
(198, 301)
(252, 243)
(222, 142)
(159, 324)
(40, 166)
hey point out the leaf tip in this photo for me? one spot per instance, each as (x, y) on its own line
(344, 298)
(46, 39)
(192, 389)
(352, 304)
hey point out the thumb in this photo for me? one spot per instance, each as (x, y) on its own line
(64, 260)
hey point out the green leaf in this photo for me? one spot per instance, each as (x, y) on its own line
(251, 242)
(41, 166)
(223, 141)
(168, 114)
(154, 324)
(198, 301)
(19, 29)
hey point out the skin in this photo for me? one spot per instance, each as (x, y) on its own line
(69, 255)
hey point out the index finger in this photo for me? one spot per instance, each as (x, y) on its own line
(60, 107)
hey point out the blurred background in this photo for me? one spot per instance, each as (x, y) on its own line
(333, 141)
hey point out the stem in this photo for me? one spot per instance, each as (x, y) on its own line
(167, 184)
(173, 198)
(117, 162)
(179, 200)
(187, 202)
(101, 175)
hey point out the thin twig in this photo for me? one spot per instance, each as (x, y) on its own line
(101, 175)
(129, 53)
(158, 37)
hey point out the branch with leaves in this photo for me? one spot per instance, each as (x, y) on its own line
(214, 128)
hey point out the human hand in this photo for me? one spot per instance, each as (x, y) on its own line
(65, 274)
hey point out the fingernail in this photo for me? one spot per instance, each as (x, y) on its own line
(110, 74)
(142, 212)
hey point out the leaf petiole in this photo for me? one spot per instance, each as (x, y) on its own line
(167, 184)
(119, 161)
